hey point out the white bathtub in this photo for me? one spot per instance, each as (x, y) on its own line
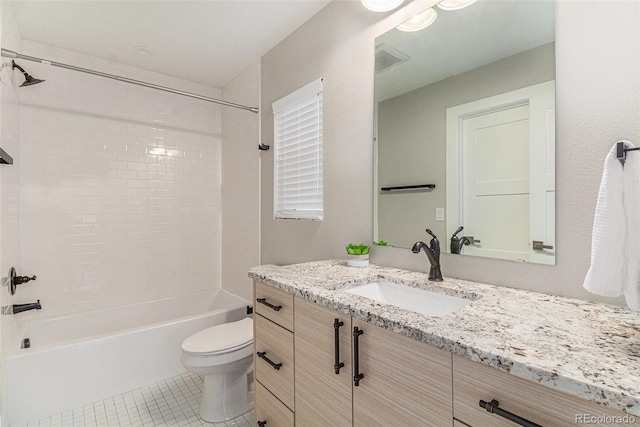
(78, 359)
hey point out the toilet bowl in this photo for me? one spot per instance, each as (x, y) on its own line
(223, 354)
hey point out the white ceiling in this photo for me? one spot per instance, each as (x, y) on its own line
(462, 40)
(209, 42)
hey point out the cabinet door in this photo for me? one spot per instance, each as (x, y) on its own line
(322, 398)
(406, 382)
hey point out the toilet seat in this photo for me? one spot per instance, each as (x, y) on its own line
(220, 339)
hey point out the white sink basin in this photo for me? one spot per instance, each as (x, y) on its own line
(414, 299)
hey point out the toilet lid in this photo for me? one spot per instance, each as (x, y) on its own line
(220, 338)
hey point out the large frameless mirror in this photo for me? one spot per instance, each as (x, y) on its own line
(465, 132)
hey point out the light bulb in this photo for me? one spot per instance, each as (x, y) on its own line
(420, 21)
(455, 4)
(381, 5)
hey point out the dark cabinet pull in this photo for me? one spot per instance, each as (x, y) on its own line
(357, 376)
(336, 335)
(271, 306)
(262, 355)
(262, 423)
(492, 407)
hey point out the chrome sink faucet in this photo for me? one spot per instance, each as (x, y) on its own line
(433, 253)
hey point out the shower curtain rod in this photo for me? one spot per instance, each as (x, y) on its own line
(14, 55)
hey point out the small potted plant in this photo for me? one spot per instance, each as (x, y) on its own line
(358, 255)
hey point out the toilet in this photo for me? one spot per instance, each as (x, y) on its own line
(223, 354)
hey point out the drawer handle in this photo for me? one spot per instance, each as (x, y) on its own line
(336, 334)
(357, 376)
(262, 355)
(271, 306)
(262, 423)
(492, 407)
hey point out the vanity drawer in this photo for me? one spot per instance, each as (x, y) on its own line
(271, 410)
(274, 359)
(473, 381)
(274, 304)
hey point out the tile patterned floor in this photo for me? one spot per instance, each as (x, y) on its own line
(169, 403)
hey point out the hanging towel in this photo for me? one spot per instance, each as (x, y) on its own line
(615, 244)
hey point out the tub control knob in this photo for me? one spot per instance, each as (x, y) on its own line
(15, 280)
(19, 280)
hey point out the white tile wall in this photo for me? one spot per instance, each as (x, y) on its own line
(119, 186)
(9, 198)
(9, 175)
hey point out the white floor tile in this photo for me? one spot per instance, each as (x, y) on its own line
(170, 403)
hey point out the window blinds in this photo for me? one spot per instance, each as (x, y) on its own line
(298, 154)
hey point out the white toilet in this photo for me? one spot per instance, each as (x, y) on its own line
(223, 354)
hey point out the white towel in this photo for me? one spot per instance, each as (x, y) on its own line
(615, 245)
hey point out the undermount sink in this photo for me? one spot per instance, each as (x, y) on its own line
(413, 299)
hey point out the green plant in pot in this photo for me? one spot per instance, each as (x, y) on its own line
(358, 255)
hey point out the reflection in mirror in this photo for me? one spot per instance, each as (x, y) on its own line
(465, 132)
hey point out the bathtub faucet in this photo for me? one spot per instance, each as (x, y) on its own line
(19, 308)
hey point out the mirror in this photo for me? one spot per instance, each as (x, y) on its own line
(465, 132)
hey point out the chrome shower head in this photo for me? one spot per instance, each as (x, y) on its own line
(28, 80)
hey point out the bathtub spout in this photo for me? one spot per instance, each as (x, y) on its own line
(19, 308)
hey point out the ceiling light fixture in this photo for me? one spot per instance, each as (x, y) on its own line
(420, 21)
(455, 4)
(381, 5)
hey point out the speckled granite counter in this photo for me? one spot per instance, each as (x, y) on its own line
(585, 349)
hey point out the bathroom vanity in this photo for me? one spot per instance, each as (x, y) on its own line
(330, 357)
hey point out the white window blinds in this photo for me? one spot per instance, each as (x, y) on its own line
(298, 154)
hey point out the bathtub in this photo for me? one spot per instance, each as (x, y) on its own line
(78, 359)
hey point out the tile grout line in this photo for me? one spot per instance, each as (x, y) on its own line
(168, 403)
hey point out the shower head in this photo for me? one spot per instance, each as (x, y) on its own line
(28, 80)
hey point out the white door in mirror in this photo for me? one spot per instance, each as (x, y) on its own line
(495, 189)
(504, 148)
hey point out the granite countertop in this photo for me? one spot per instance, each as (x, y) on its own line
(585, 349)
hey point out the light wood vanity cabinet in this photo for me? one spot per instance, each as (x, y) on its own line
(473, 381)
(274, 361)
(405, 382)
(269, 410)
(323, 397)
(274, 304)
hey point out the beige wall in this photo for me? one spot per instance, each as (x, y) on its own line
(240, 183)
(598, 77)
(412, 134)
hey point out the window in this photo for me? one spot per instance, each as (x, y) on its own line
(298, 154)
